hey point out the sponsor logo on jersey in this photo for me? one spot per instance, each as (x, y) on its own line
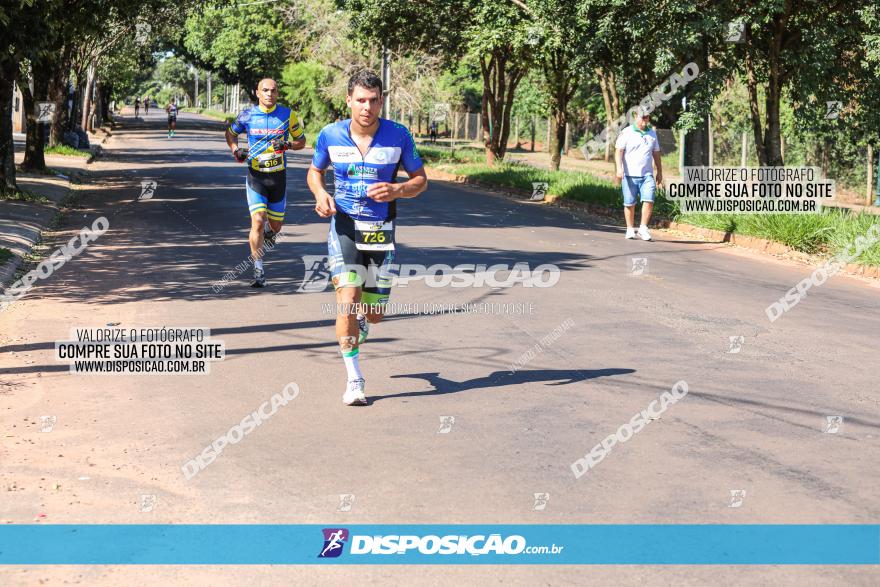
(362, 172)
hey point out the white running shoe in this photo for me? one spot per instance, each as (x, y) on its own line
(630, 233)
(644, 234)
(354, 393)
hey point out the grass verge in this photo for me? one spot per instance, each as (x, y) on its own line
(215, 114)
(23, 196)
(67, 151)
(826, 233)
(5, 255)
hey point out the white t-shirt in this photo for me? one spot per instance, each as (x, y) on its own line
(638, 149)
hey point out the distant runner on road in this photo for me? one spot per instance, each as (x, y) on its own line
(171, 109)
(137, 106)
(366, 153)
(147, 106)
(271, 130)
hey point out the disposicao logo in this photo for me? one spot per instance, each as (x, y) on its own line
(334, 541)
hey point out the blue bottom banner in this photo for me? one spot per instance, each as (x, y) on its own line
(210, 544)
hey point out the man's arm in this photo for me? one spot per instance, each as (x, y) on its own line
(296, 132)
(659, 164)
(387, 192)
(231, 140)
(324, 204)
(618, 163)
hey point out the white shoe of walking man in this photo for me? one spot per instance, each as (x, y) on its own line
(637, 151)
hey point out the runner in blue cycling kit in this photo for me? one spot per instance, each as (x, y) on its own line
(362, 230)
(271, 130)
(366, 153)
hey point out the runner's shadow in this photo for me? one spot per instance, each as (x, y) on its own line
(501, 378)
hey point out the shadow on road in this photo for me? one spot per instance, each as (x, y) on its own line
(501, 378)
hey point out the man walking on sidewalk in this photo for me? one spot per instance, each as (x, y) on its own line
(637, 151)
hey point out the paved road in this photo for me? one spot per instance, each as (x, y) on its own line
(752, 421)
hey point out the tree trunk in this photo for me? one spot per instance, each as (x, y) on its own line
(606, 98)
(87, 98)
(57, 93)
(754, 111)
(500, 80)
(8, 70)
(556, 72)
(557, 138)
(34, 157)
(106, 92)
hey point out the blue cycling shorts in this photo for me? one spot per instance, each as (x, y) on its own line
(267, 191)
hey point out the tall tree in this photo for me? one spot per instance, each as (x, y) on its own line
(241, 43)
(803, 47)
(564, 43)
(22, 23)
(494, 35)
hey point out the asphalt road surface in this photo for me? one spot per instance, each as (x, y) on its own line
(755, 420)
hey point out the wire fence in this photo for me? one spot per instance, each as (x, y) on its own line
(529, 133)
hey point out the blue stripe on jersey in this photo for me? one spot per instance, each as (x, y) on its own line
(264, 127)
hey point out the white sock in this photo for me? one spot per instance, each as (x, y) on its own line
(641, 226)
(259, 264)
(352, 366)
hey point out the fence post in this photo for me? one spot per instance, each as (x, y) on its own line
(870, 175)
(567, 138)
(548, 134)
(534, 130)
(516, 132)
(877, 201)
(711, 142)
(681, 138)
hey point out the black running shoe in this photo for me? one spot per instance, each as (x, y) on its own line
(259, 278)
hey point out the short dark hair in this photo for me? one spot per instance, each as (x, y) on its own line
(366, 79)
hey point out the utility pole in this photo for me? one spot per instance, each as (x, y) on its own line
(208, 99)
(386, 82)
(196, 95)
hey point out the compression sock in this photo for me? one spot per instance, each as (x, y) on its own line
(351, 364)
(258, 264)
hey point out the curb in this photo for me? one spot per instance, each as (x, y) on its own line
(9, 269)
(752, 243)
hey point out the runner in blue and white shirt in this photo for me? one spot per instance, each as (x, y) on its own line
(366, 153)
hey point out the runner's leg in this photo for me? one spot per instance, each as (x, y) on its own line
(256, 237)
(258, 206)
(347, 273)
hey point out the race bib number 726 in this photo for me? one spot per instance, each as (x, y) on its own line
(374, 236)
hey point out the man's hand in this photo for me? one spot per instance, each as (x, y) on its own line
(240, 154)
(324, 205)
(280, 145)
(659, 180)
(383, 192)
